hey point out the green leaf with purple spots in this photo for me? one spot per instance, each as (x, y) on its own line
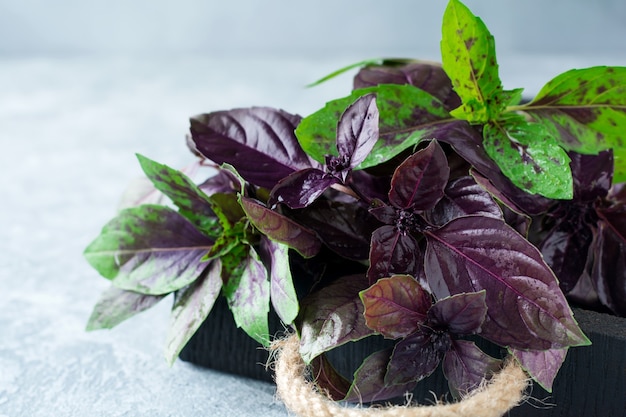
(247, 290)
(191, 307)
(192, 202)
(619, 163)
(282, 291)
(468, 54)
(586, 107)
(116, 305)
(406, 115)
(529, 156)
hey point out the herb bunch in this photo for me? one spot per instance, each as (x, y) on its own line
(428, 206)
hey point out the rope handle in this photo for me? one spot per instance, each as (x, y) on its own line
(504, 391)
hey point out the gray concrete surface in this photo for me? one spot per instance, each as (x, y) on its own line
(69, 129)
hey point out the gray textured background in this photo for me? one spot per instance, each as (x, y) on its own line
(322, 27)
(86, 84)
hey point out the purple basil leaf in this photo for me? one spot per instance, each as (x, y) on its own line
(415, 357)
(584, 293)
(419, 181)
(566, 247)
(617, 193)
(332, 317)
(374, 187)
(248, 294)
(223, 182)
(518, 221)
(149, 249)
(328, 379)
(401, 127)
(427, 76)
(191, 307)
(280, 228)
(463, 197)
(369, 381)
(282, 292)
(512, 214)
(116, 305)
(259, 142)
(395, 306)
(609, 269)
(357, 130)
(393, 252)
(460, 314)
(541, 365)
(467, 142)
(526, 308)
(465, 367)
(592, 175)
(302, 188)
(487, 185)
(345, 227)
(384, 213)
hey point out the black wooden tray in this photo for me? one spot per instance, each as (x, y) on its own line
(592, 381)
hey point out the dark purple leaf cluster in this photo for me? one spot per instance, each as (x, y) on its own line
(422, 216)
(399, 308)
(584, 240)
(426, 248)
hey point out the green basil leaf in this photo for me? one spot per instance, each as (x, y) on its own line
(192, 306)
(247, 290)
(529, 156)
(282, 291)
(587, 107)
(619, 162)
(468, 54)
(192, 203)
(116, 305)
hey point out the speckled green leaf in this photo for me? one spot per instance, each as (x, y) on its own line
(282, 292)
(529, 156)
(406, 114)
(248, 295)
(191, 308)
(619, 161)
(468, 54)
(149, 249)
(587, 107)
(116, 305)
(192, 202)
